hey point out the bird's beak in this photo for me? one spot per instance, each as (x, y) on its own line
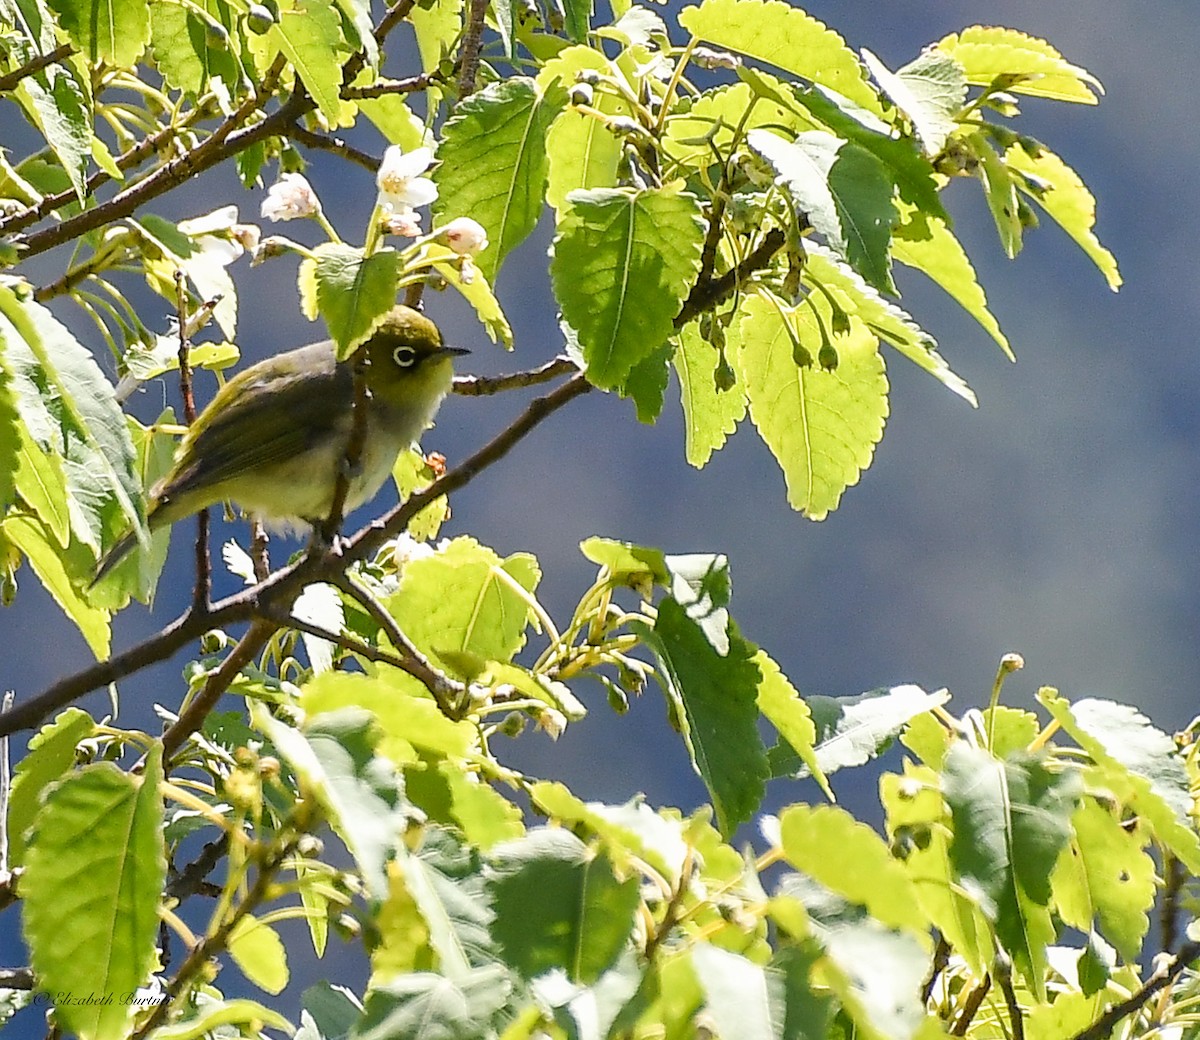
(453, 350)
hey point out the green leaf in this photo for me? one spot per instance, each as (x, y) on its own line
(930, 90)
(111, 31)
(784, 708)
(476, 291)
(106, 826)
(744, 999)
(436, 26)
(843, 190)
(183, 50)
(70, 409)
(853, 730)
(426, 1006)
(1055, 187)
(1012, 818)
(992, 55)
(59, 106)
(485, 816)
(1000, 191)
(783, 36)
(559, 905)
(10, 437)
(1105, 878)
(257, 949)
(48, 563)
(51, 755)
(1138, 756)
(710, 414)
(310, 35)
(822, 427)
(359, 791)
(582, 152)
(591, 1012)
(354, 291)
(493, 163)
(211, 1018)
(925, 241)
(466, 600)
(849, 858)
(713, 702)
(623, 264)
(887, 321)
(638, 566)
(647, 381)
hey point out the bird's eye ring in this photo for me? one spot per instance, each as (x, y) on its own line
(404, 356)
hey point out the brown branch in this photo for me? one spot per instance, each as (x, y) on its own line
(202, 590)
(192, 717)
(971, 1007)
(481, 386)
(385, 87)
(35, 65)
(335, 145)
(228, 139)
(472, 43)
(1164, 976)
(191, 879)
(341, 640)
(1016, 1020)
(941, 957)
(282, 586)
(711, 293)
(16, 978)
(392, 17)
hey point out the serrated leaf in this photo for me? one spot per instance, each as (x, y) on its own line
(822, 427)
(483, 814)
(925, 241)
(1000, 192)
(354, 291)
(1023, 64)
(559, 905)
(425, 1006)
(51, 755)
(61, 109)
(1105, 878)
(436, 27)
(744, 999)
(646, 384)
(475, 290)
(930, 91)
(1125, 742)
(638, 566)
(1011, 821)
(358, 790)
(849, 858)
(111, 31)
(183, 51)
(783, 36)
(465, 599)
(69, 408)
(623, 263)
(713, 697)
(853, 730)
(784, 708)
(1068, 202)
(886, 320)
(843, 190)
(582, 151)
(259, 952)
(105, 826)
(710, 414)
(493, 163)
(310, 35)
(48, 563)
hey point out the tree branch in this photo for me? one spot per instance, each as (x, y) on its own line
(335, 145)
(481, 386)
(35, 65)
(708, 294)
(280, 588)
(1167, 972)
(472, 41)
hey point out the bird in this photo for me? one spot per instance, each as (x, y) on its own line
(274, 438)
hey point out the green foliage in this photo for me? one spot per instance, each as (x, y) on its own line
(727, 196)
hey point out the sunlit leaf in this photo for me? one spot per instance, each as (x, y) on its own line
(1024, 64)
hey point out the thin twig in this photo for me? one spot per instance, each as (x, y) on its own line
(192, 717)
(1168, 915)
(971, 1007)
(335, 145)
(280, 589)
(447, 693)
(35, 65)
(202, 590)
(1167, 972)
(16, 978)
(191, 880)
(1016, 1019)
(472, 43)
(480, 386)
(342, 640)
(709, 294)
(941, 957)
(392, 17)
(385, 87)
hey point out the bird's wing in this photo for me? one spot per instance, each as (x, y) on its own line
(277, 414)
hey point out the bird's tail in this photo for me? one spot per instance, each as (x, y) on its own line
(122, 548)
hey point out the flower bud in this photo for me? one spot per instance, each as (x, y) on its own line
(465, 236)
(582, 94)
(289, 198)
(259, 19)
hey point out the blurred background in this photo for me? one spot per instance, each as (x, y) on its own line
(1058, 520)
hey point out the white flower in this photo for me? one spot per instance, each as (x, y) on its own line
(406, 223)
(290, 198)
(465, 236)
(401, 186)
